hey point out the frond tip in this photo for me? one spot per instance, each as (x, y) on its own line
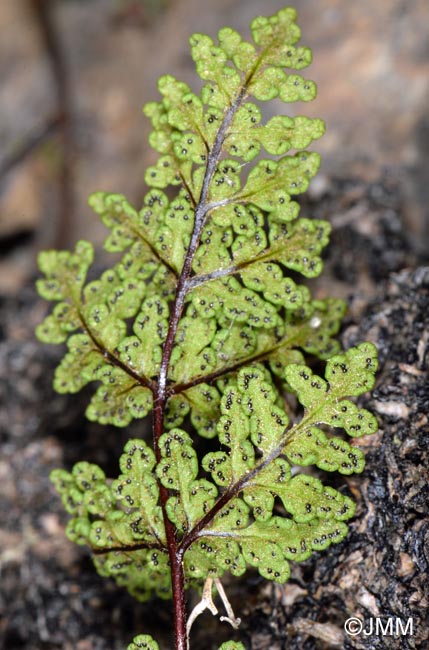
(143, 642)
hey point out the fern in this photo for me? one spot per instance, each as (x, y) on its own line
(204, 316)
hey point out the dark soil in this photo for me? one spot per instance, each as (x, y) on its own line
(51, 597)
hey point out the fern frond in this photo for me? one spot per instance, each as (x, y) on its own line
(205, 319)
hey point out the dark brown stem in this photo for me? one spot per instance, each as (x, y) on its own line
(177, 575)
(162, 393)
(221, 372)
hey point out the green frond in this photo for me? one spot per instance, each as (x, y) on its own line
(228, 298)
(226, 181)
(270, 183)
(119, 399)
(267, 421)
(203, 316)
(268, 545)
(233, 431)
(177, 408)
(83, 492)
(118, 215)
(152, 214)
(213, 254)
(251, 420)
(204, 401)
(250, 236)
(247, 136)
(311, 328)
(203, 404)
(178, 470)
(276, 32)
(192, 355)
(136, 489)
(312, 447)
(348, 374)
(65, 276)
(79, 366)
(143, 642)
(214, 557)
(315, 333)
(144, 573)
(173, 237)
(211, 65)
(119, 515)
(65, 272)
(267, 278)
(142, 352)
(304, 497)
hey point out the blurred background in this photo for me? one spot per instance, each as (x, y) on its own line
(75, 74)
